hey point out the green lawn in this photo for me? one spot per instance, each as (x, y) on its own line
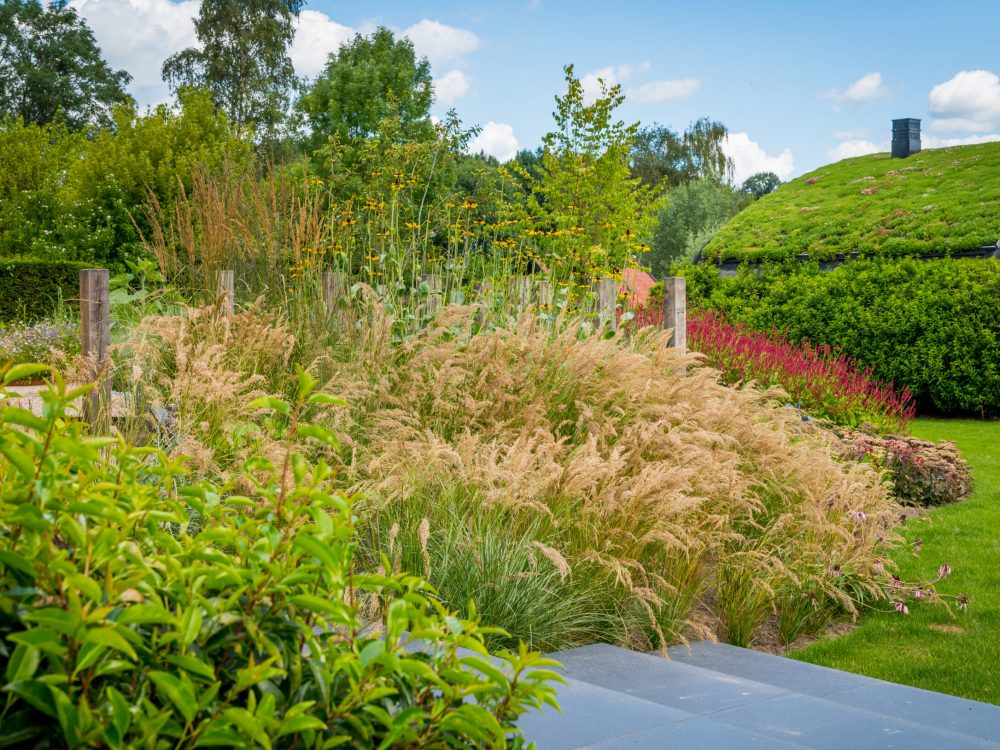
(929, 649)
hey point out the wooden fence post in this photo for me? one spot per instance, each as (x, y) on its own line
(225, 286)
(334, 289)
(433, 293)
(607, 302)
(519, 289)
(95, 340)
(543, 295)
(675, 310)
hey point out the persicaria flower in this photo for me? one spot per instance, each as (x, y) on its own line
(944, 571)
(859, 516)
(878, 567)
(900, 607)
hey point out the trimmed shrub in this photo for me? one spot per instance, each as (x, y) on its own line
(142, 608)
(921, 472)
(31, 289)
(931, 326)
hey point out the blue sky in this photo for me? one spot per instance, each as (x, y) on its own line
(799, 84)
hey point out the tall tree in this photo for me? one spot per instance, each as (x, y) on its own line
(364, 82)
(51, 66)
(760, 184)
(243, 60)
(663, 157)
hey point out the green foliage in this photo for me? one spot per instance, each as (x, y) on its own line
(140, 608)
(586, 190)
(51, 67)
(75, 195)
(940, 200)
(661, 157)
(366, 81)
(760, 184)
(928, 325)
(242, 60)
(31, 289)
(694, 212)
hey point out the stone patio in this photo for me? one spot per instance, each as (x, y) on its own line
(719, 696)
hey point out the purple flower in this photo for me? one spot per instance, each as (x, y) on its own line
(944, 571)
(900, 607)
(859, 516)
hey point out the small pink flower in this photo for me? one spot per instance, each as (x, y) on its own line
(900, 607)
(944, 571)
(878, 567)
(859, 516)
(919, 593)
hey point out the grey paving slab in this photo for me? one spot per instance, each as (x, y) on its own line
(664, 681)
(902, 701)
(826, 725)
(934, 709)
(700, 733)
(592, 715)
(794, 676)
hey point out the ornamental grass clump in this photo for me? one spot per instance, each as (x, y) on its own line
(142, 607)
(582, 488)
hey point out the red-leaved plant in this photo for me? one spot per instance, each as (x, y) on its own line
(818, 379)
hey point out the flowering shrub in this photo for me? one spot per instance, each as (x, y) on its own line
(34, 342)
(142, 608)
(921, 472)
(818, 379)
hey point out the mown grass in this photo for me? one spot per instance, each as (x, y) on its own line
(937, 200)
(930, 649)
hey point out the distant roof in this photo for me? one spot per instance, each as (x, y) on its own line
(636, 284)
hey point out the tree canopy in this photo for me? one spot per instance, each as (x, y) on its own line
(366, 81)
(51, 67)
(760, 184)
(664, 157)
(242, 60)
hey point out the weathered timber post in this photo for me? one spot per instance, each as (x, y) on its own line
(95, 340)
(607, 302)
(675, 310)
(334, 289)
(543, 295)
(519, 291)
(433, 293)
(225, 286)
(484, 295)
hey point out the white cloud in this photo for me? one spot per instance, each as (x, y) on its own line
(316, 36)
(138, 35)
(930, 141)
(852, 148)
(749, 158)
(441, 44)
(969, 101)
(865, 89)
(451, 86)
(661, 91)
(644, 93)
(496, 139)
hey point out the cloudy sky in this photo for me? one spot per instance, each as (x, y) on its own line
(799, 84)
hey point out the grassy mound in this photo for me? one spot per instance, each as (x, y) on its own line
(940, 200)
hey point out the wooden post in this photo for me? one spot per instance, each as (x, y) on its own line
(433, 293)
(607, 302)
(543, 295)
(95, 340)
(225, 288)
(334, 289)
(519, 289)
(675, 310)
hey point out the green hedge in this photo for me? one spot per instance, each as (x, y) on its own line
(933, 326)
(31, 289)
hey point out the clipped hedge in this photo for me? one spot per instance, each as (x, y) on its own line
(30, 289)
(932, 326)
